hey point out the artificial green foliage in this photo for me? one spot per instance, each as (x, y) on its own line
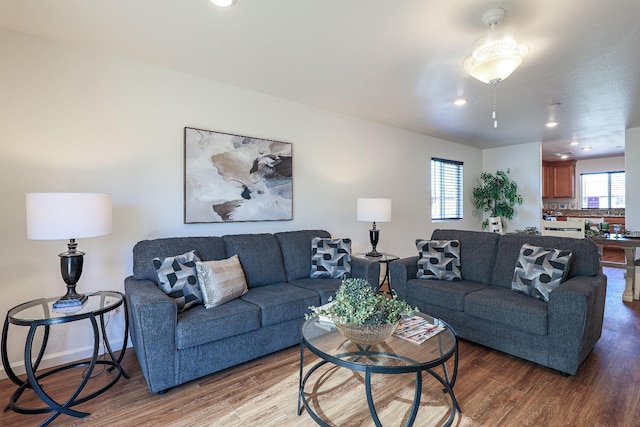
(357, 302)
(496, 194)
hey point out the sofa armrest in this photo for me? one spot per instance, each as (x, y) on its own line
(152, 317)
(366, 269)
(401, 271)
(576, 313)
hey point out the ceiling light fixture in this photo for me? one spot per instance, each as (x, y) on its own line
(574, 143)
(553, 113)
(564, 155)
(495, 55)
(224, 3)
(586, 148)
(460, 101)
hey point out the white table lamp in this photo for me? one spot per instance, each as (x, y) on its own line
(374, 210)
(57, 216)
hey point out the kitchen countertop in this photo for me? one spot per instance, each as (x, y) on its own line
(587, 213)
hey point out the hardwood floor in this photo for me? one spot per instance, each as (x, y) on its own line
(494, 389)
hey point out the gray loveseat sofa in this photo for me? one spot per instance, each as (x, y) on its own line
(482, 307)
(174, 347)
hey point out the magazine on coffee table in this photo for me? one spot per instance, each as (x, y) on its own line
(416, 329)
(321, 317)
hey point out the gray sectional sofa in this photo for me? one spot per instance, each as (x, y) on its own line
(482, 308)
(174, 347)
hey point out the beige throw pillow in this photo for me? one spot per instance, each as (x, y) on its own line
(221, 281)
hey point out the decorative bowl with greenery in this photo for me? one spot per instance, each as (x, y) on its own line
(358, 309)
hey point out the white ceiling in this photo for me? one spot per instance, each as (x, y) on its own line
(396, 62)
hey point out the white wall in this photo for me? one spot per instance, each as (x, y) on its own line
(74, 120)
(525, 164)
(632, 178)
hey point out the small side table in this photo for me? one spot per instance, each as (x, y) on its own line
(40, 312)
(384, 259)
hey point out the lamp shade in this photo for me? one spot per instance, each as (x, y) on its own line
(495, 70)
(374, 210)
(54, 216)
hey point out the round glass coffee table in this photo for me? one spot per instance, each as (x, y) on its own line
(394, 356)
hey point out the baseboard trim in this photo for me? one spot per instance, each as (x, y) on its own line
(61, 358)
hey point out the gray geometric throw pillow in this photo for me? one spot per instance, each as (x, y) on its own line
(330, 258)
(178, 278)
(439, 259)
(540, 270)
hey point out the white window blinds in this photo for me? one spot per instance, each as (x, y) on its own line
(446, 189)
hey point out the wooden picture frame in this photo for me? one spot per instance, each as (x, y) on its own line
(236, 178)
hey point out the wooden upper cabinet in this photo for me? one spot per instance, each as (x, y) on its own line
(559, 179)
(547, 180)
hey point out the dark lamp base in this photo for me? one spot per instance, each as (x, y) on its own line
(70, 300)
(374, 253)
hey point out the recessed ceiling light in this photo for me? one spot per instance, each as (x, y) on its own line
(551, 124)
(224, 3)
(586, 148)
(460, 101)
(564, 154)
(574, 143)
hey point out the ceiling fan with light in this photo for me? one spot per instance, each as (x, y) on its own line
(495, 55)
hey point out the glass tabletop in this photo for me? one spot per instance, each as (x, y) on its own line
(384, 257)
(329, 344)
(41, 311)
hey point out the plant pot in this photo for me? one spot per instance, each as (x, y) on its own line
(366, 334)
(495, 224)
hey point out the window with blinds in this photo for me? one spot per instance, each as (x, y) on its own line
(602, 190)
(446, 189)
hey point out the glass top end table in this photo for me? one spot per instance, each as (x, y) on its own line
(40, 313)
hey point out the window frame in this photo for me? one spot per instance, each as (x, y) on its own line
(584, 203)
(452, 188)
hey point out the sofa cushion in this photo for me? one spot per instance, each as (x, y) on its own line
(330, 258)
(444, 294)
(221, 281)
(512, 309)
(280, 302)
(478, 253)
(145, 251)
(200, 325)
(325, 288)
(260, 257)
(177, 277)
(296, 251)
(540, 270)
(439, 259)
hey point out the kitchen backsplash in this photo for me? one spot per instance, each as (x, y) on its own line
(557, 210)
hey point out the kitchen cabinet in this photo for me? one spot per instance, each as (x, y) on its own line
(559, 179)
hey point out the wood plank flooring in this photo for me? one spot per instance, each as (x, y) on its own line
(494, 389)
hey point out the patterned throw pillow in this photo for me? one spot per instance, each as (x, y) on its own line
(177, 277)
(221, 281)
(439, 259)
(539, 270)
(330, 258)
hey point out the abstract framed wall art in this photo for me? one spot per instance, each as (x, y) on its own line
(235, 178)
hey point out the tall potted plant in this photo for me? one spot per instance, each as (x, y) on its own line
(496, 194)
